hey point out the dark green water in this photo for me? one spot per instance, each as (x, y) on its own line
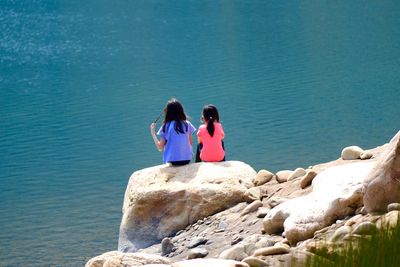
(80, 82)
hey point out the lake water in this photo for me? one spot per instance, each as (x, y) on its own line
(81, 81)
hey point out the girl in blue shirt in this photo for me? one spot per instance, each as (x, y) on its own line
(175, 135)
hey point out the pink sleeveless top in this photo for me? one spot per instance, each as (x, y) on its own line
(212, 146)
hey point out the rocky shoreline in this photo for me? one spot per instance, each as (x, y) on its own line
(261, 228)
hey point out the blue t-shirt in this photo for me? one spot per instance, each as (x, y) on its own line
(177, 146)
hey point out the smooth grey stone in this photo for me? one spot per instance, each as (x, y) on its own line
(197, 241)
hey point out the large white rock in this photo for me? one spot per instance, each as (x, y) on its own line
(119, 259)
(337, 192)
(351, 152)
(163, 199)
(382, 186)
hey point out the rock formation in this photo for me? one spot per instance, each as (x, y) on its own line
(211, 203)
(119, 259)
(336, 193)
(163, 199)
(382, 185)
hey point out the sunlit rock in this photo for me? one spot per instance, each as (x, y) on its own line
(337, 192)
(296, 174)
(382, 186)
(119, 259)
(279, 249)
(351, 152)
(262, 177)
(163, 199)
(307, 178)
(247, 247)
(282, 176)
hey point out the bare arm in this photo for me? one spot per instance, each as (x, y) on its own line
(158, 143)
(191, 139)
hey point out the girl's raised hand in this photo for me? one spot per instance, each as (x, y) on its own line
(153, 128)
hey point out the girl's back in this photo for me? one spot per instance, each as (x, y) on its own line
(210, 135)
(213, 149)
(177, 144)
(176, 134)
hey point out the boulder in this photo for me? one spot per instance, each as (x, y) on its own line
(280, 249)
(256, 241)
(351, 152)
(364, 228)
(252, 207)
(382, 186)
(117, 259)
(247, 246)
(161, 200)
(337, 192)
(237, 252)
(197, 241)
(197, 253)
(307, 178)
(296, 174)
(282, 176)
(263, 177)
(340, 233)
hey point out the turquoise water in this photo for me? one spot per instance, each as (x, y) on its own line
(80, 82)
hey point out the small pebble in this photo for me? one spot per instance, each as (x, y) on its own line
(197, 241)
(222, 225)
(236, 239)
(197, 253)
(364, 211)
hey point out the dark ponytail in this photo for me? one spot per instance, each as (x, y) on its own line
(210, 114)
(210, 126)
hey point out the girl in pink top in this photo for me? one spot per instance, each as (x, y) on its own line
(210, 136)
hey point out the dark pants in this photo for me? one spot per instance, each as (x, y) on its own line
(198, 150)
(179, 162)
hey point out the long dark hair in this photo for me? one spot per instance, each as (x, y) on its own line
(210, 114)
(174, 112)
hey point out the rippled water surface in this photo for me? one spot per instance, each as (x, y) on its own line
(80, 82)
